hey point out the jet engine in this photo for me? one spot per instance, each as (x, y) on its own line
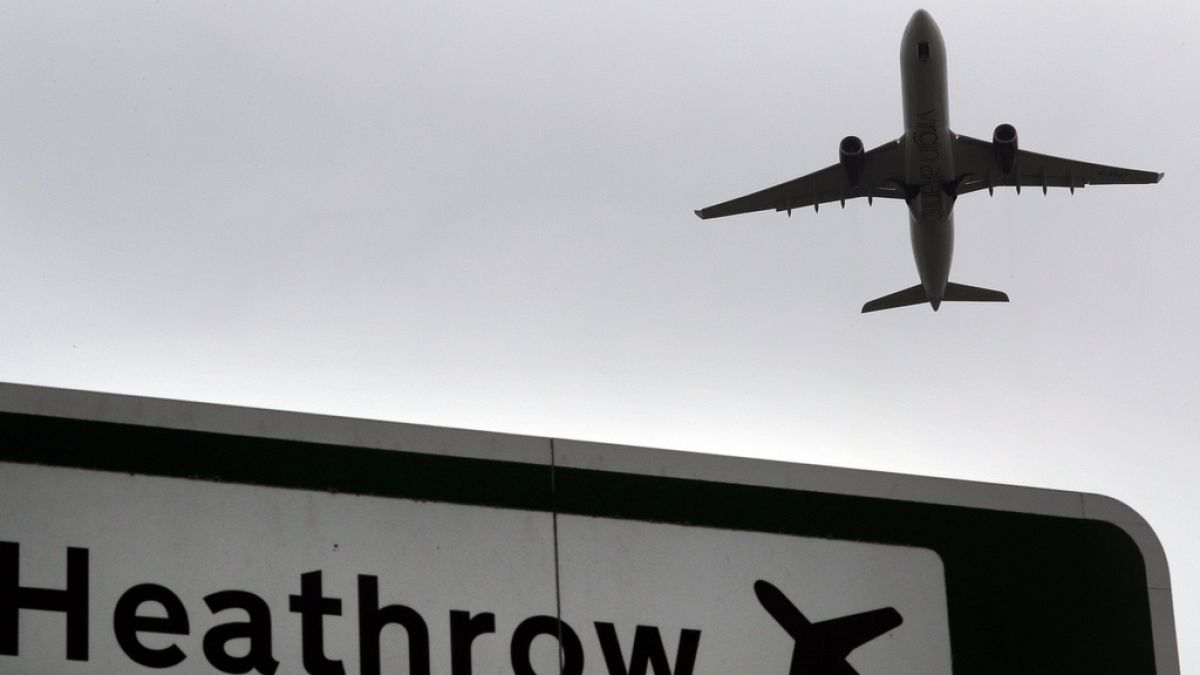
(850, 154)
(1004, 143)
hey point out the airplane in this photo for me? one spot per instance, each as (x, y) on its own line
(821, 648)
(928, 167)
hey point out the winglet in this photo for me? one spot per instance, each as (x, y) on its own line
(699, 213)
(1160, 176)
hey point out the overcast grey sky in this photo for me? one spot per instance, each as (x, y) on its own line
(480, 215)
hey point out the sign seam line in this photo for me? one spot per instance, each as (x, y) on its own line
(557, 569)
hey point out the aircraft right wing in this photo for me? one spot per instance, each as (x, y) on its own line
(844, 634)
(882, 176)
(975, 160)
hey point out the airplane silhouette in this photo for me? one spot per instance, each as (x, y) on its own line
(929, 167)
(822, 647)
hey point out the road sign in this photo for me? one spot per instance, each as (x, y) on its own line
(185, 537)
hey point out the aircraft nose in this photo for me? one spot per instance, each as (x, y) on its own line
(921, 22)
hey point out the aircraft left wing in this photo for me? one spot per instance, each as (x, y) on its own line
(975, 161)
(882, 176)
(781, 609)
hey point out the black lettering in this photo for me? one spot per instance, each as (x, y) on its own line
(647, 651)
(127, 624)
(372, 619)
(313, 609)
(72, 601)
(257, 629)
(570, 649)
(464, 628)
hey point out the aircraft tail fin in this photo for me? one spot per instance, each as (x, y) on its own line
(909, 296)
(964, 293)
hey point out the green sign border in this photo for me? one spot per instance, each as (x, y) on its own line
(1028, 594)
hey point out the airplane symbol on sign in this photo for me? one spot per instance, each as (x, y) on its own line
(822, 647)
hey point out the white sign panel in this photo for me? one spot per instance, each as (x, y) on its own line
(314, 563)
(632, 573)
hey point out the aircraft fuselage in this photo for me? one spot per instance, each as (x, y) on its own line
(929, 160)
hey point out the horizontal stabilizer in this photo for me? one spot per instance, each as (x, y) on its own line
(916, 296)
(964, 293)
(909, 296)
